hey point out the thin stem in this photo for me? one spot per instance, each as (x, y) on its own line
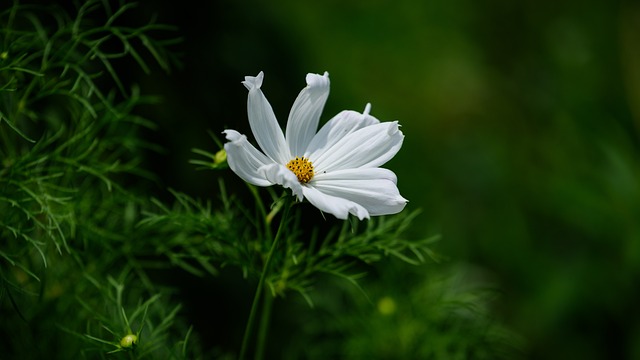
(267, 305)
(261, 284)
(263, 212)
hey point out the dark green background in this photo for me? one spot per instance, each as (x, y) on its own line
(521, 123)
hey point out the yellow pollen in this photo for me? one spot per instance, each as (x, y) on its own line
(302, 167)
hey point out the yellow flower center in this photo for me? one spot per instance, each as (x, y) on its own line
(302, 167)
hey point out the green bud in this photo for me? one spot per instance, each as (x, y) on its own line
(129, 341)
(220, 157)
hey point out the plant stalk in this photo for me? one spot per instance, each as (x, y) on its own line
(259, 289)
(267, 305)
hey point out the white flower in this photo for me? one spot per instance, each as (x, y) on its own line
(336, 169)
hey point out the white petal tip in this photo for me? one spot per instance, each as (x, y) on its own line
(394, 128)
(359, 212)
(316, 80)
(232, 135)
(362, 217)
(253, 82)
(367, 109)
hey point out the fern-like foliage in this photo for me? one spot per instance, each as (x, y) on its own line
(343, 250)
(125, 321)
(70, 159)
(201, 240)
(62, 136)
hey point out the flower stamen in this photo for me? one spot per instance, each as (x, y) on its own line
(302, 167)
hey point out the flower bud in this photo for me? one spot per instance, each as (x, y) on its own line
(220, 157)
(129, 341)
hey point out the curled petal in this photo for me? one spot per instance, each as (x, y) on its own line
(253, 82)
(371, 188)
(338, 207)
(341, 125)
(279, 174)
(370, 146)
(305, 113)
(244, 159)
(263, 122)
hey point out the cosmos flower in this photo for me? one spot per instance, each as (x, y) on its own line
(336, 169)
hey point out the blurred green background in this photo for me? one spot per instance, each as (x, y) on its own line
(521, 121)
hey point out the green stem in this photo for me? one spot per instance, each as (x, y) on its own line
(261, 285)
(267, 305)
(263, 212)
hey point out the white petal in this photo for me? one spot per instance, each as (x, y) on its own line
(279, 174)
(338, 207)
(376, 190)
(356, 174)
(335, 129)
(263, 122)
(370, 146)
(244, 159)
(305, 113)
